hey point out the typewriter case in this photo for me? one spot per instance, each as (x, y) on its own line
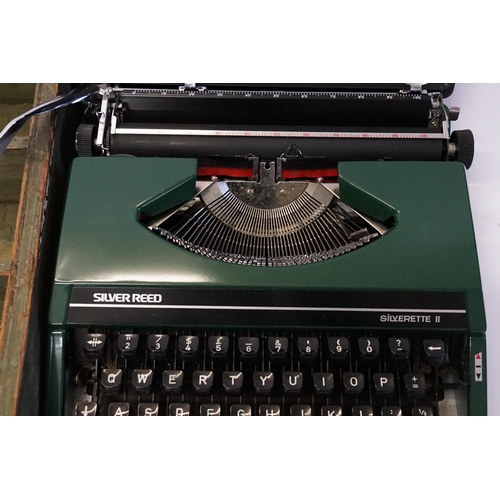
(417, 278)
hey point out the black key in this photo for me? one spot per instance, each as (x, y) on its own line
(179, 410)
(308, 348)
(218, 347)
(188, 346)
(399, 348)
(354, 383)
(142, 380)
(172, 381)
(147, 410)
(300, 411)
(119, 409)
(203, 382)
(94, 345)
(384, 384)
(232, 382)
(369, 348)
(323, 383)
(263, 382)
(86, 409)
(157, 345)
(391, 411)
(127, 344)
(331, 411)
(362, 411)
(240, 411)
(435, 351)
(415, 384)
(210, 410)
(111, 381)
(292, 382)
(339, 348)
(422, 411)
(278, 347)
(248, 347)
(269, 411)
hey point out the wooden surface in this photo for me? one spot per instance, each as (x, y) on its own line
(18, 321)
(11, 174)
(15, 99)
(8, 215)
(15, 93)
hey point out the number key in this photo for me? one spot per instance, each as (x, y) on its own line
(218, 346)
(127, 344)
(248, 347)
(339, 347)
(188, 346)
(308, 347)
(369, 347)
(277, 346)
(157, 346)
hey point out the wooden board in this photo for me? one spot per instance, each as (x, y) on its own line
(11, 175)
(8, 215)
(20, 331)
(10, 111)
(17, 92)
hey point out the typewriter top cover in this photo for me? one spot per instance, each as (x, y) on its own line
(311, 209)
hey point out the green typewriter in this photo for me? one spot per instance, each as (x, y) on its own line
(268, 250)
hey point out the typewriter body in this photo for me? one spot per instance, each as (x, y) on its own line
(268, 250)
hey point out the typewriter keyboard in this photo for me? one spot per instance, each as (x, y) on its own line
(135, 372)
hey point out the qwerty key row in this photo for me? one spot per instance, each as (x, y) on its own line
(180, 373)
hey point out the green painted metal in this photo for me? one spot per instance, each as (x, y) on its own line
(430, 248)
(54, 401)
